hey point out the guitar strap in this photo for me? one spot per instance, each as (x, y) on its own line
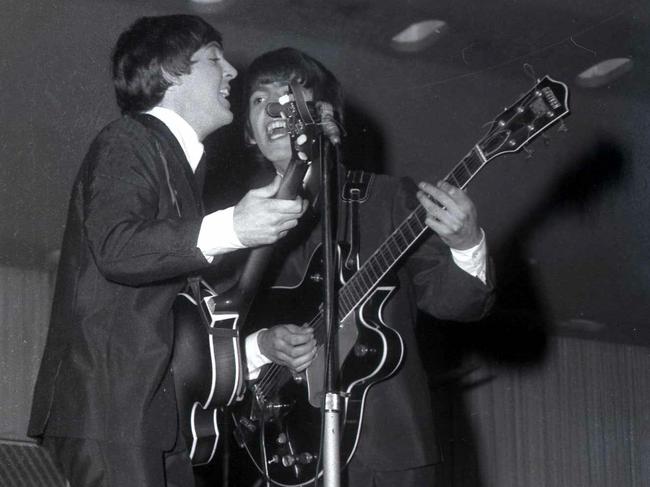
(356, 190)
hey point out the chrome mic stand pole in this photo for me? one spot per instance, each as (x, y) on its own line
(332, 398)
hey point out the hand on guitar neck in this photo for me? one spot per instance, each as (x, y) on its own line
(451, 214)
(261, 219)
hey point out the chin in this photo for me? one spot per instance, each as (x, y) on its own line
(278, 158)
(274, 151)
(224, 114)
(228, 116)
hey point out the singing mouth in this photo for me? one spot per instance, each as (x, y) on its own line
(225, 93)
(276, 129)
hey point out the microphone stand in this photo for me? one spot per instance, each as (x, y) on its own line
(332, 397)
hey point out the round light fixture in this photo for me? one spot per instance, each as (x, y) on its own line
(604, 72)
(419, 35)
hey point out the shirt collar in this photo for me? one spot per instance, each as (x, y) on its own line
(184, 133)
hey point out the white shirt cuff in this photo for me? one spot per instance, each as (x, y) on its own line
(473, 260)
(255, 359)
(217, 234)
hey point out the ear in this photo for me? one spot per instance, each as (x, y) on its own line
(171, 78)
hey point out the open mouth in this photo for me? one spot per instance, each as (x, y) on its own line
(225, 93)
(276, 129)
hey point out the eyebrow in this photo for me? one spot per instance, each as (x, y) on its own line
(214, 44)
(258, 92)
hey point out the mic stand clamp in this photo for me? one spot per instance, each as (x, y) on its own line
(331, 450)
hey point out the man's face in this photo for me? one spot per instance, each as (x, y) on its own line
(269, 133)
(204, 91)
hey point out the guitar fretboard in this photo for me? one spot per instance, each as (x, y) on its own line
(404, 236)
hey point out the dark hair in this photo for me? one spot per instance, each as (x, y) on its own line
(150, 45)
(288, 64)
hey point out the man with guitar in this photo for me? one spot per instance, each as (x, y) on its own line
(447, 275)
(104, 402)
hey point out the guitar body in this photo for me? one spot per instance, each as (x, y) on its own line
(207, 369)
(279, 420)
(207, 361)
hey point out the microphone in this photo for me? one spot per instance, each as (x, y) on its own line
(275, 110)
(322, 114)
(328, 123)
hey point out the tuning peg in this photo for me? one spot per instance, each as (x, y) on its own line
(562, 127)
(529, 152)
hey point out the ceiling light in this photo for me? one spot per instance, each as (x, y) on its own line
(604, 72)
(209, 7)
(419, 35)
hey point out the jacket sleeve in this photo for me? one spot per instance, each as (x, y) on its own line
(134, 234)
(442, 288)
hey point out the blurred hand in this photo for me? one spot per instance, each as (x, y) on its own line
(289, 345)
(259, 219)
(328, 123)
(453, 217)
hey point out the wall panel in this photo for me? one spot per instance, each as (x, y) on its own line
(582, 418)
(25, 296)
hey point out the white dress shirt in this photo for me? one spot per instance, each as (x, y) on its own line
(217, 234)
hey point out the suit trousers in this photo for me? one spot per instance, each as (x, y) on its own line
(91, 463)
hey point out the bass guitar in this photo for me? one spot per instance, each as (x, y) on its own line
(207, 363)
(279, 420)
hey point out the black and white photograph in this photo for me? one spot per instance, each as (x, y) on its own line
(343, 243)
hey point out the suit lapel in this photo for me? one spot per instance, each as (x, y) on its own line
(178, 166)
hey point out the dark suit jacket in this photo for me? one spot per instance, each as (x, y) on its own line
(398, 430)
(126, 251)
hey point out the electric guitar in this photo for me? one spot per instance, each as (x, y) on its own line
(207, 363)
(279, 420)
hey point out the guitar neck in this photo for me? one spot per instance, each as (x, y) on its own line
(259, 257)
(405, 235)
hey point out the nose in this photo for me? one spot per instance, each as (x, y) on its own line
(229, 71)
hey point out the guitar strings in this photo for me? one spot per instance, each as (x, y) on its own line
(271, 378)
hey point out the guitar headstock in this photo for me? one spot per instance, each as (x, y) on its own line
(302, 130)
(300, 123)
(545, 104)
